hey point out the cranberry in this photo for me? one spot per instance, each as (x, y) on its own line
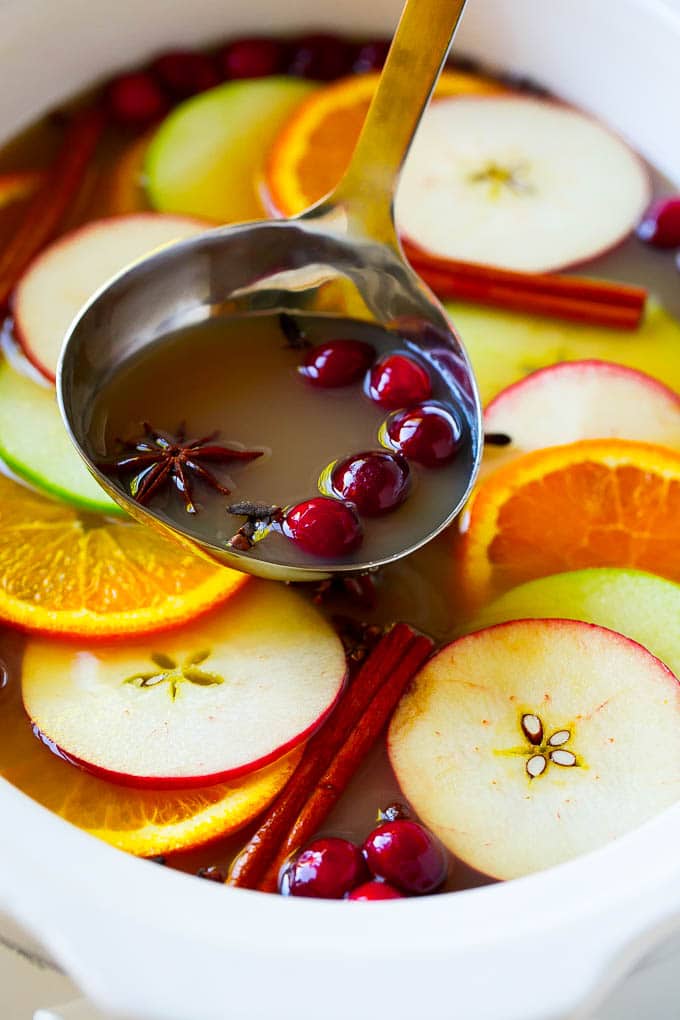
(427, 434)
(255, 57)
(328, 869)
(375, 891)
(321, 57)
(371, 56)
(375, 482)
(323, 527)
(136, 99)
(405, 854)
(397, 381)
(337, 363)
(184, 73)
(660, 225)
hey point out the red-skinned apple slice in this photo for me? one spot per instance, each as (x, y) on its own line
(203, 705)
(66, 274)
(518, 182)
(528, 743)
(577, 400)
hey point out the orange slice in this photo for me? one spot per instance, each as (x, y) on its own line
(596, 503)
(126, 192)
(314, 148)
(18, 185)
(143, 822)
(69, 573)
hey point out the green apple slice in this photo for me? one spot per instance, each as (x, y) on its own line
(506, 346)
(207, 157)
(35, 445)
(528, 743)
(642, 606)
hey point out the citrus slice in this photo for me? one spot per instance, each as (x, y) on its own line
(596, 503)
(315, 146)
(126, 192)
(69, 573)
(143, 822)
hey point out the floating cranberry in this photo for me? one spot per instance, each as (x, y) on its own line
(428, 434)
(375, 891)
(323, 527)
(405, 854)
(337, 363)
(397, 381)
(184, 73)
(371, 56)
(375, 482)
(256, 57)
(660, 225)
(327, 869)
(136, 99)
(321, 57)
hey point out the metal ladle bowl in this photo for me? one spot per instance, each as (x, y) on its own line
(341, 257)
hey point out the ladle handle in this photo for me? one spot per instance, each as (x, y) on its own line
(413, 65)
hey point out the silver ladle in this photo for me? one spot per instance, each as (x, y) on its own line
(343, 251)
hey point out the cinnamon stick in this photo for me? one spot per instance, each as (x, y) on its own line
(597, 302)
(335, 779)
(253, 861)
(52, 201)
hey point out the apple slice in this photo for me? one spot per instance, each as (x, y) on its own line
(505, 346)
(641, 606)
(66, 274)
(206, 704)
(518, 182)
(528, 743)
(581, 400)
(207, 158)
(36, 447)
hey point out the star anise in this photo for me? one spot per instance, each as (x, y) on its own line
(159, 459)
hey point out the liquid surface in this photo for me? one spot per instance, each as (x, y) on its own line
(188, 381)
(238, 377)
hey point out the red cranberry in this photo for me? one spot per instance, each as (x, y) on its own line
(328, 869)
(375, 891)
(397, 381)
(184, 73)
(375, 482)
(371, 56)
(427, 434)
(256, 57)
(337, 363)
(323, 527)
(321, 57)
(405, 854)
(660, 225)
(136, 99)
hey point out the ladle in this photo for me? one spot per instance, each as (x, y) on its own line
(341, 256)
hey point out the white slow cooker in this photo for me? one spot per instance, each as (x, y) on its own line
(151, 944)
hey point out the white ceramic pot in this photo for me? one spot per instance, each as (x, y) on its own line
(153, 944)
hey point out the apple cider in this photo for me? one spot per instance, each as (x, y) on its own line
(456, 717)
(247, 387)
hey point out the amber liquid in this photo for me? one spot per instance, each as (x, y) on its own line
(238, 377)
(421, 589)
